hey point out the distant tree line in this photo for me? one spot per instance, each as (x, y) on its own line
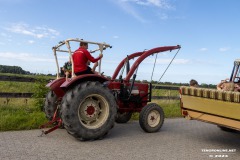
(18, 70)
(12, 69)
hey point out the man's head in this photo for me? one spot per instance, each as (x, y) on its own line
(193, 83)
(84, 45)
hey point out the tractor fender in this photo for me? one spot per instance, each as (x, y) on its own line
(83, 78)
(54, 85)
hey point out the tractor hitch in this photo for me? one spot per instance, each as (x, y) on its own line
(56, 123)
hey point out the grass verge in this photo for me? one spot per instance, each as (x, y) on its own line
(20, 118)
(19, 115)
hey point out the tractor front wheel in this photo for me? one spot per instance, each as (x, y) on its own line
(88, 111)
(151, 118)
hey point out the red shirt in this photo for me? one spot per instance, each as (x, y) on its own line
(80, 59)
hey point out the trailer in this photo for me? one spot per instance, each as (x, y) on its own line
(213, 106)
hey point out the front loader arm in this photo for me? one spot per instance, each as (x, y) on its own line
(145, 55)
(131, 56)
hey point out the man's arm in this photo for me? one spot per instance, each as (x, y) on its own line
(91, 58)
(94, 67)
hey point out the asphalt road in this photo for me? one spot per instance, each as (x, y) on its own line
(177, 139)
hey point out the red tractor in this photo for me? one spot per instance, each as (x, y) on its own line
(89, 105)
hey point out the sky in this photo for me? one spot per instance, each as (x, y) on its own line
(207, 30)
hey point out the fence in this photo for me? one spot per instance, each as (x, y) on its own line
(29, 95)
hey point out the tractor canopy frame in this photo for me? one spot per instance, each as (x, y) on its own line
(101, 47)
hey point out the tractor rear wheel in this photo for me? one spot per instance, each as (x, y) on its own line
(50, 105)
(88, 111)
(123, 117)
(151, 118)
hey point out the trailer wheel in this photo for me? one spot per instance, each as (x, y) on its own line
(227, 129)
(123, 117)
(50, 105)
(88, 111)
(151, 118)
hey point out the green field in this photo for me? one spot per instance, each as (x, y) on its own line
(19, 114)
(25, 113)
(14, 87)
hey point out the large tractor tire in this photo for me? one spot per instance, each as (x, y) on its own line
(50, 105)
(88, 111)
(123, 117)
(151, 118)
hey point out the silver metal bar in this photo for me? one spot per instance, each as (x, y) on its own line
(55, 55)
(63, 51)
(100, 61)
(59, 45)
(90, 42)
(91, 51)
(97, 50)
(70, 55)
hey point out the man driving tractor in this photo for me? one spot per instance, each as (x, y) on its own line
(81, 58)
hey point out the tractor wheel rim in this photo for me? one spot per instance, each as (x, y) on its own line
(153, 118)
(93, 112)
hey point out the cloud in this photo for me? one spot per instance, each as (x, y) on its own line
(37, 32)
(5, 35)
(224, 49)
(163, 16)
(26, 57)
(103, 27)
(31, 41)
(167, 61)
(115, 37)
(157, 3)
(130, 7)
(130, 10)
(175, 61)
(30, 58)
(203, 49)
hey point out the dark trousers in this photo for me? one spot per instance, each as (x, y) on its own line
(87, 71)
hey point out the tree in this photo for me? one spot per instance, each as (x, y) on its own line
(12, 69)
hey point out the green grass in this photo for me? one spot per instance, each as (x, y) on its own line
(19, 115)
(163, 92)
(14, 87)
(18, 75)
(24, 75)
(22, 113)
(20, 87)
(20, 118)
(171, 108)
